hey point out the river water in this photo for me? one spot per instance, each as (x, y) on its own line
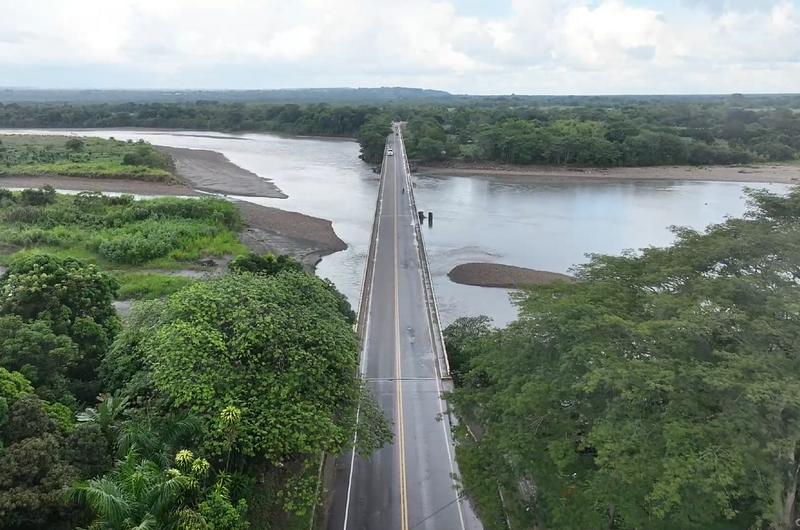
(543, 226)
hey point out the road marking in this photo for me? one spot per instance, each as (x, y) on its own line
(439, 386)
(362, 362)
(400, 433)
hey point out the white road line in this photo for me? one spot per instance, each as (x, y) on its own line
(362, 364)
(439, 386)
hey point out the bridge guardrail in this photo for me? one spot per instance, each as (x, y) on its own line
(427, 280)
(369, 268)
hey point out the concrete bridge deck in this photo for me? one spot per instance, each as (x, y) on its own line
(408, 485)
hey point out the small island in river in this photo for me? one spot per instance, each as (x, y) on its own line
(504, 276)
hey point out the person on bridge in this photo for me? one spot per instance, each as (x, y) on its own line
(404, 190)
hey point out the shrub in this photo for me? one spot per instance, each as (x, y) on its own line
(7, 196)
(267, 264)
(39, 197)
(75, 144)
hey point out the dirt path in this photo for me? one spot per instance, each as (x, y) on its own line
(505, 276)
(785, 174)
(212, 172)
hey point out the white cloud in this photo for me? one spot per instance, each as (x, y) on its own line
(535, 46)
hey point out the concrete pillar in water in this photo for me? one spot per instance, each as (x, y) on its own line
(430, 218)
(421, 216)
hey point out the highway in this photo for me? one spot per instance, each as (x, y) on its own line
(407, 485)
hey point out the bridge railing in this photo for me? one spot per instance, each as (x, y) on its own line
(369, 267)
(427, 280)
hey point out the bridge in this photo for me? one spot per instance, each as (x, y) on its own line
(407, 485)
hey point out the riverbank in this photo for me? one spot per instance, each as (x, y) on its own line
(502, 276)
(304, 237)
(212, 172)
(777, 173)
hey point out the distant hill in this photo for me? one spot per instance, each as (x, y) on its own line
(299, 96)
(377, 96)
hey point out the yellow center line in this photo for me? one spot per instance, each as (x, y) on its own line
(400, 434)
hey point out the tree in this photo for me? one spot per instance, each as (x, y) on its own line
(39, 354)
(372, 138)
(139, 493)
(13, 385)
(156, 484)
(278, 349)
(34, 469)
(75, 298)
(107, 414)
(429, 149)
(660, 389)
(460, 339)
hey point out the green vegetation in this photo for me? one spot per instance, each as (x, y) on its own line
(148, 285)
(633, 135)
(120, 235)
(118, 232)
(208, 409)
(591, 131)
(659, 391)
(83, 157)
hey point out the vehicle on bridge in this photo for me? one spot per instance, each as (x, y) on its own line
(390, 152)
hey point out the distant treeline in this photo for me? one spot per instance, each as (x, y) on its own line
(590, 131)
(607, 132)
(317, 119)
(644, 134)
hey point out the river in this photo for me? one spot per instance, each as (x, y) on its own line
(542, 226)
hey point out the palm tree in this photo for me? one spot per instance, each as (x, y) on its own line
(137, 495)
(140, 494)
(107, 413)
(161, 442)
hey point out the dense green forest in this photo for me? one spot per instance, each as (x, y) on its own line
(591, 132)
(661, 390)
(317, 119)
(636, 134)
(208, 408)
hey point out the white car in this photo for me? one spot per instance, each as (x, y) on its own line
(391, 152)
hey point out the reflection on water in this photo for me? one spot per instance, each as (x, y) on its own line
(553, 226)
(541, 226)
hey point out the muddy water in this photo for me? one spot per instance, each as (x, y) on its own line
(542, 226)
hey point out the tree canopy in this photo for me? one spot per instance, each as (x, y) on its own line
(659, 391)
(267, 363)
(72, 298)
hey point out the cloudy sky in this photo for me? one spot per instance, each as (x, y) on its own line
(463, 46)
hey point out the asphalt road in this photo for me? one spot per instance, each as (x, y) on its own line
(408, 485)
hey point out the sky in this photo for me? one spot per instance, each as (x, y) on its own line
(463, 46)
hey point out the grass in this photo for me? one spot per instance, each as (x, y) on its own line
(122, 236)
(148, 286)
(36, 155)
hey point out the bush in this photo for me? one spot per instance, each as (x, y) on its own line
(267, 264)
(208, 209)
(89, 200)
(39, 197)
(146, 155)
(6, 196)
(148, 240)
(75, 144)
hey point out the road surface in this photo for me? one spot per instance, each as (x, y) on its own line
(407, 485)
